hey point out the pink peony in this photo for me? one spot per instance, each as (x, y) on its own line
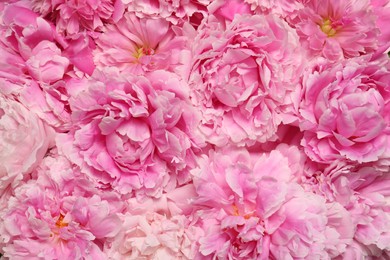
(228, 9)
(363, 191)
(283, 8)
(24, 140)
(175, 11)
(73, 16)
(243, 78)
(46, 63)
(57, 216)
(382, 11)
(136, 46)
(337, 29)
(252, 209)
(154, 236)
(345, 111)
(34, 66)
(132, 133)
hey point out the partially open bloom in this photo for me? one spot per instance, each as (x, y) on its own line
(337, 29)
(136, 46)
(132, 133)
(24, 140)
(46, 63)
(345, 111)
(243, 78)
(252, 209)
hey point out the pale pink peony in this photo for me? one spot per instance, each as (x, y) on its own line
(252, 209)
(154, 236)
(280, 7)
(133, 133)
(58, 216)
(337, 29)
(363, 191)
(244, 78)
(175, 11)
(24, 140)
(382, 11)
(136, 46)
(345, 111)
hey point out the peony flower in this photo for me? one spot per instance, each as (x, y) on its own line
(252, 209)
(35, 67)
(74, 16)
(24, 140)
(137, 46)
(57, 215)
(363, 192)
(284, 8)
(226, 10)
(337, 29)
(154, 236)
(345, 111)
(46, 63)
(381, 9)
(132, 133)
(243, 78)
(174, 11)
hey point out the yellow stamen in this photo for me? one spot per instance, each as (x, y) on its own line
(60, 223)
(327, 28)
(138, 53)
(141, 51)
(237, 213)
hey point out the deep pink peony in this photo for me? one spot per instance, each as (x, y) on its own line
(243, 78)
(24, 140)
(252, 209)
(345, 111)
(58, 216)
(133, 133)
(136, 46)
(337, 29)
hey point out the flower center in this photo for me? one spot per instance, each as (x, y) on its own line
(60, 223)
(236, 212)
(328, 28)
(141, 51)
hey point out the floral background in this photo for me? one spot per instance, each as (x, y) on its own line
(194, 129)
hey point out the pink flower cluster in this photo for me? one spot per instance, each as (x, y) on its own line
(198, 129)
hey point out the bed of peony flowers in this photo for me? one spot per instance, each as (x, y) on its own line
(195, 129)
